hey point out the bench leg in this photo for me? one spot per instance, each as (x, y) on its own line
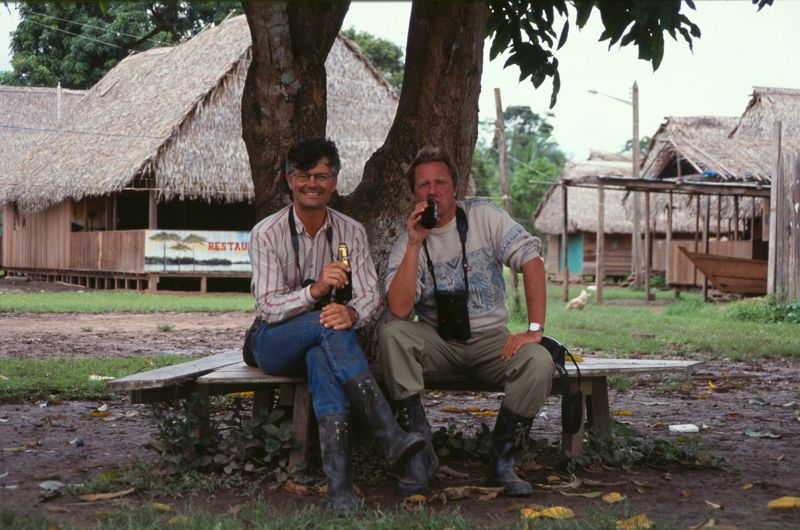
(597, 405)
(301, 421)
(203, 412)
(263, 400)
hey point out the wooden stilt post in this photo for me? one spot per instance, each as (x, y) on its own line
(647, 242)
(564, 225)
(601, 247)
(706, 229)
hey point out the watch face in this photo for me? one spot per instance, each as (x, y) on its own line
(534, 326)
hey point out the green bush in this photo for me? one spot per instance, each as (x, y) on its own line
(767, 311)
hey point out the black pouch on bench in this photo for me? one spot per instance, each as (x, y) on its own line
(452, 315)
(247, 347)
(571, 402)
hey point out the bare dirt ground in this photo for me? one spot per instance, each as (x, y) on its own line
(728, 400)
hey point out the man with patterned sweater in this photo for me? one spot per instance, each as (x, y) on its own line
(303, 332)
(452, 275)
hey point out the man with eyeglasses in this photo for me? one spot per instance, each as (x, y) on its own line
(303, 332)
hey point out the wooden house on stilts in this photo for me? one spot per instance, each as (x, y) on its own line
(146, 182)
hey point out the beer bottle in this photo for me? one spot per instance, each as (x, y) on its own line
(345, 293)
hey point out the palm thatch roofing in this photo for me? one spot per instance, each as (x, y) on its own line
(172, 117)
(582, 201)
(27, 114)
(725, 148)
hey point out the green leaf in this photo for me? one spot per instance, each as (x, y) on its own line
(564, 34)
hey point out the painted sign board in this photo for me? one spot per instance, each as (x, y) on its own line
(196, 251)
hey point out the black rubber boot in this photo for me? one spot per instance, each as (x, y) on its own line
(411, 417)
(368, 402)
(509, 429)
(334, 442)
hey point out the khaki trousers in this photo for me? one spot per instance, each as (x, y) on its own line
(409, 351)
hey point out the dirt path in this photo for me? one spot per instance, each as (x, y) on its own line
(727, 399)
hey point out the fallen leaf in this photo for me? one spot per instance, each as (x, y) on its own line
(685, 493)
(178, 519)
(57, 509)
(590, 482)
(94, 377)
(447, 470)
(553, 478)
(623, 413)
(789, 404)
(415, 498)
(758, 401)
(587, 495)
(106, 496)
(637, 522)
(103, 407)
(613, 497)
(784, 503)
(159, 507)
(558, 512)
(642, 483)
(99, 414)
(297, 489)
(767, 434)
(747, 485)
(780, 457)
(667, 476)
(714, 505)
(708, 523)
(234, 510)
(711, 385)
(25, 445)
(242, 394)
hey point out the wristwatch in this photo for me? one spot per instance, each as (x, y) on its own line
(535, 326)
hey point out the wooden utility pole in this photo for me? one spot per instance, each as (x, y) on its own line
(637, 207)
(774, 191)
(501, 151)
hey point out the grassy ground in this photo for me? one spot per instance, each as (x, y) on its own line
(33, 379)
(122, 302)
(625, 325)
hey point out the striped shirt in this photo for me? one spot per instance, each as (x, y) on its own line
(277, 279)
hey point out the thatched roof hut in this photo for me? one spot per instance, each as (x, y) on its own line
(766, 106)
(170, 119)
(582, 201)
(28, 114)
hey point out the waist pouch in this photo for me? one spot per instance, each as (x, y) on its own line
(571, 402)
(247, 347)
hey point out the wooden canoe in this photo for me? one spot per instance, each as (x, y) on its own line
(731, 275)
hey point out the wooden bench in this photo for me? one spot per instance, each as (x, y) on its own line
(225, 373)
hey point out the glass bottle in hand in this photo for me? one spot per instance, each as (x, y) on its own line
(345, 293)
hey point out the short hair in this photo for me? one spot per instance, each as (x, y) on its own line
(307, 152)
(428, 154)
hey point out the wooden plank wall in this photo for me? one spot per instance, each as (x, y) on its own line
(617, 254)
(39, 240)
(114, 251)
(681, 270)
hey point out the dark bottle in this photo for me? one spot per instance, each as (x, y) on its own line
(430, 215)
(345, 293)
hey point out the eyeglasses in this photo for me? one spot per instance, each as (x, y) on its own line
(322, 178)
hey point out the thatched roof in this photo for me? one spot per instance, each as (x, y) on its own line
(582, 202)
(173, 116)
(766, 106)
(27, 114)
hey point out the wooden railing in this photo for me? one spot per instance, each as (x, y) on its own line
(114, 251)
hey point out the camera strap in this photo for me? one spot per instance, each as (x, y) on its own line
(296, 242)
(462, 226)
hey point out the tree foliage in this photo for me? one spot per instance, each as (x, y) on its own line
(76, 43)
(534, 160)
(384, 55)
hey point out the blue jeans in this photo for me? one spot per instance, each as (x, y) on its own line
(328, 357)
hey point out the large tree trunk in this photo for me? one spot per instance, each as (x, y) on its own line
(285, 92)
(438, 105)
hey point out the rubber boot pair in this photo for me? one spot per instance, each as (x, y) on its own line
(509, 432)
(411, 417)
(368, 402)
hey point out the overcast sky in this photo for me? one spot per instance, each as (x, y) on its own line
(740, 48)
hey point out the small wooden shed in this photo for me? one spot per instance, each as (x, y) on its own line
(148, 177)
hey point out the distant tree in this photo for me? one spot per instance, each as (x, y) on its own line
(384, 55)
(76, 43)
(534, 160)
(644, 141)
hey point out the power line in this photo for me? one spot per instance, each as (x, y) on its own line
(79, 35)
(106, 29)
